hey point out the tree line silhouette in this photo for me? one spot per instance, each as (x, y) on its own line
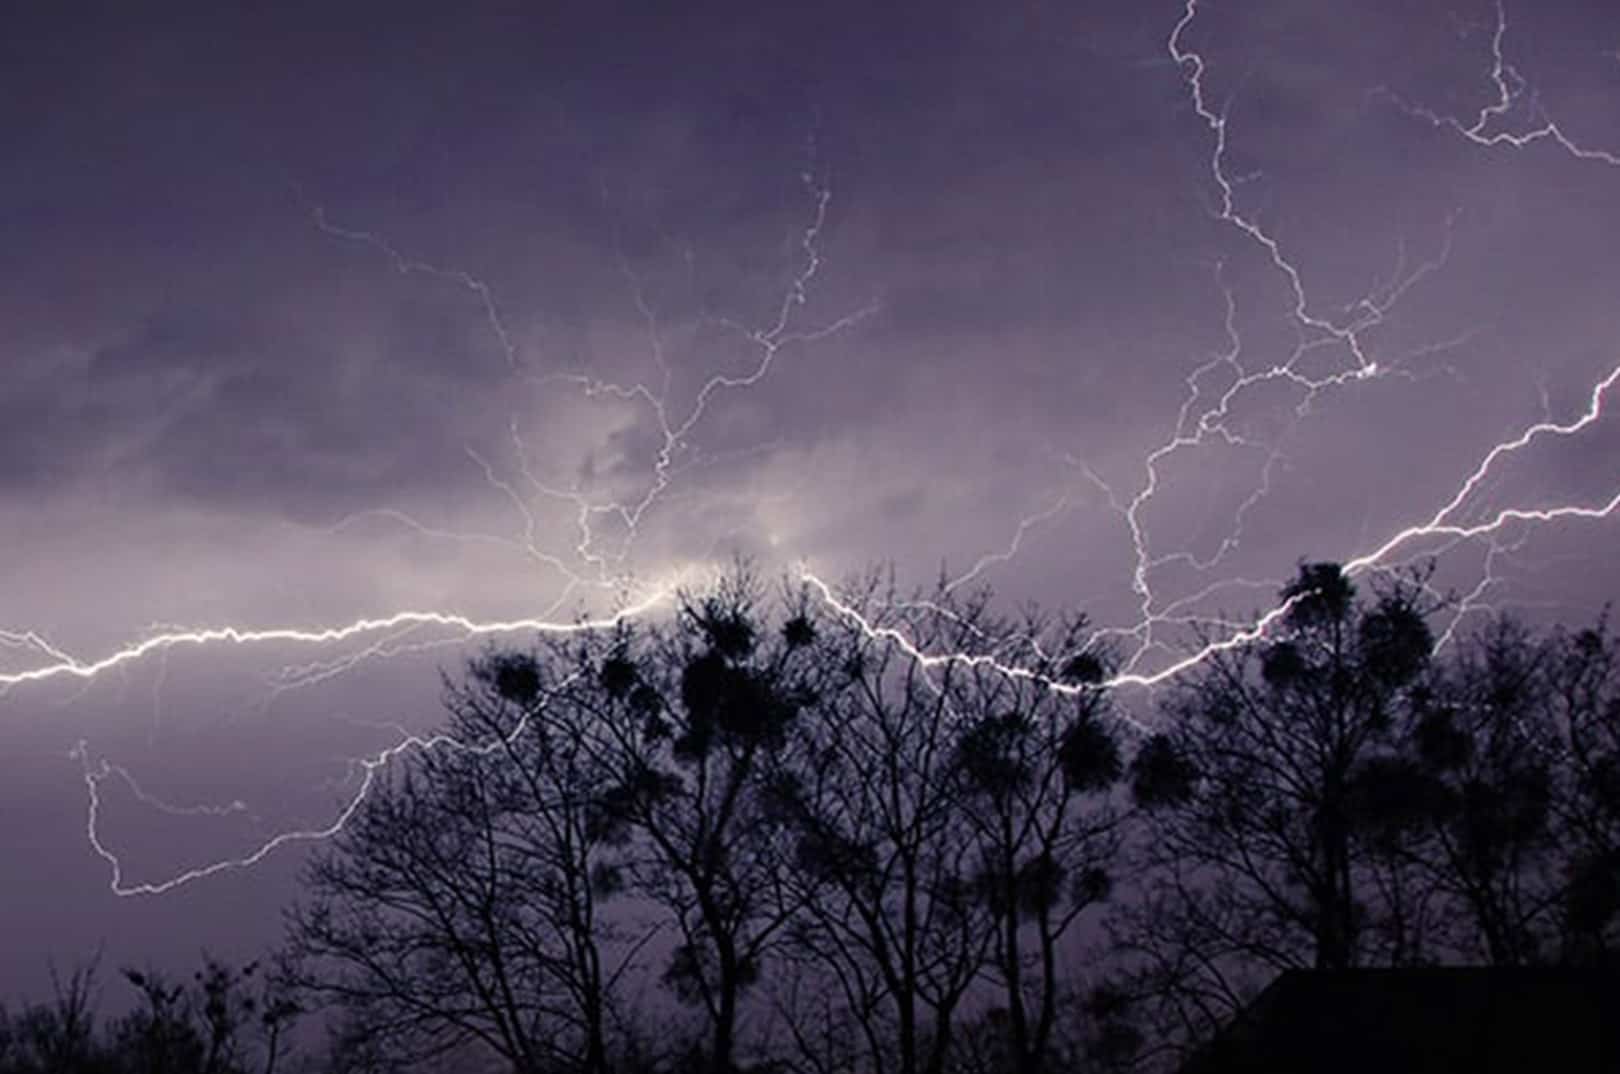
(762, 836)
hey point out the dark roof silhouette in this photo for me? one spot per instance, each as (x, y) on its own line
(1424, 1021)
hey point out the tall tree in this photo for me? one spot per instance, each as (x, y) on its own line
(1034, 766)
(949, 831)
(1502, 794)
(461, 904)
(1254, 859)
(1583, 692)
(1473, 776)
(690, 719)
(883, 856)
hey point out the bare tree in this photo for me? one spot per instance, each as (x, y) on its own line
(1500, 796)
(1583, 692)
(224, 1020)
(60, 1035)
(1255, 859)
(1035, 766)
(462, 903)
(204, 1026)
(883, 856)
(689, 721)
(949, 827)
(1466, 797)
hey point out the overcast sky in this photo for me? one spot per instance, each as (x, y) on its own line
(316, 313)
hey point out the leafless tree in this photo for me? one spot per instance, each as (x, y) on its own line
(462, 903)
(1582, 689)
(1256, 858)
(1465, 797)
(883, 857)
(949, 824)
(1499, 795)
(223, 1020)
(689, 721)
(1035, 766)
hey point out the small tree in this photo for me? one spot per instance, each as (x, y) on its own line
(56, 1036)
(225, 1020)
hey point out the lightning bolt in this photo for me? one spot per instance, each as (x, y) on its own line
(74, 668)
(394, 634)
(1199, 422)
(1007, 554)
(1485, 131)
(1204, 418)
(408, 266)
(97, 772)
(768, 340)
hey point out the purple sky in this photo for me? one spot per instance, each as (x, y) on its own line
(313, 315)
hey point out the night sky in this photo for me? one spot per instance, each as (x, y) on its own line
(315, 314)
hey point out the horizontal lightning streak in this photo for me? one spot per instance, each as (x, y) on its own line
(769, 340)
(1201, 420)
(68, 667)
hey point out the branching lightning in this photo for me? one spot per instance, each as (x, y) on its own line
(1204, 418)
(1199, 423)
(97, 772)
(391, 635)
(1510, 89)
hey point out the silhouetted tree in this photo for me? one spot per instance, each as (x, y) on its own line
(203, 1026)
(949, 828)
(1089, 1035)
(849, 857)
(1035, 765)
(1583, 693)
(884, 858)
(225, 1020)
(461, 903)
(1466, 796)
(56, 1036)
(690, 719)
(1254, 857)
(1500, 797)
